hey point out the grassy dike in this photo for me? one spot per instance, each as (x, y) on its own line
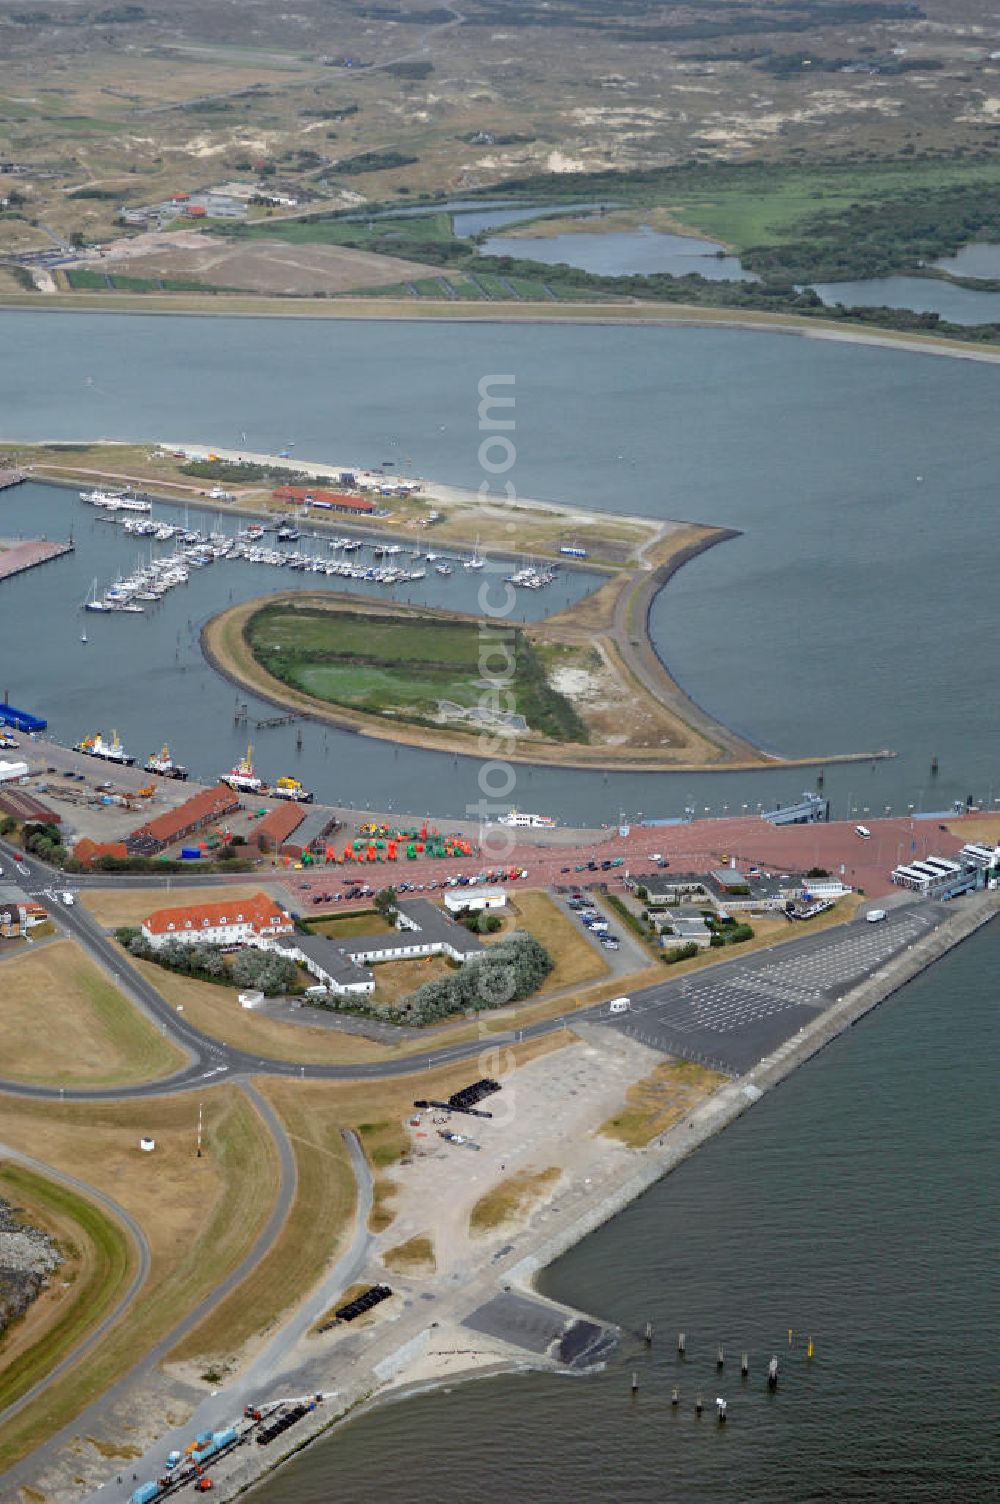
(98, 1259)
(200, 1218)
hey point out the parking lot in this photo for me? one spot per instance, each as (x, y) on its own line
(732, 1017)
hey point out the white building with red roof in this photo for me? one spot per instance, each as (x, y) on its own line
(229, 922)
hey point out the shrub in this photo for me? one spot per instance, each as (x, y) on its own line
(680, 953)
(503, 974)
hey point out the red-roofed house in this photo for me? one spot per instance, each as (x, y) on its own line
(87, 852)
(329, 501)
(234, 921)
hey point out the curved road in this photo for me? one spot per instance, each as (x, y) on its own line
(210, 1059)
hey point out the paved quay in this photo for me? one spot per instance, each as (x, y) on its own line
(18, 556)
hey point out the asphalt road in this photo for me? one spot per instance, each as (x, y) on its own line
(732, 1042)
(730, 1016)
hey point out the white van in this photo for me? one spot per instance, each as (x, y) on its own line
(317, 991)
(863, 832)
(68, 900)
(619, 1005)
(875, 916)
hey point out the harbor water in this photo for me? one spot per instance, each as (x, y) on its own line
(860, 477)
(855, 1205)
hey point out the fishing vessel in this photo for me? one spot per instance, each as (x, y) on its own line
(112, 751)
(243, 777)
(164, 765)
(291, 788)
(442, 569)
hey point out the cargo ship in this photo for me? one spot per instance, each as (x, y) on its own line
(291, 788)
(243, 777)
(164, 765)
(112, 751)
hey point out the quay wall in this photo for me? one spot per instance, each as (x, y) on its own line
(22, 556)
(730, 1102)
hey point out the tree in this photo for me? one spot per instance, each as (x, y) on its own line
(384, 902)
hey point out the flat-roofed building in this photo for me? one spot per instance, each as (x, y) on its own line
(938, 877)
(456, 900)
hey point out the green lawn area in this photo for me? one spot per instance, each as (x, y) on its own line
(375, 638)
(84, 280)
(347, 926)
(402, 666)
(365, 685)
(430, 227)
(768, 205)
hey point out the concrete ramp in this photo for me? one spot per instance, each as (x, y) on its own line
(544, 1329)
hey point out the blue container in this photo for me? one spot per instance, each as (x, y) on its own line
(191, 854)
(145, 1492)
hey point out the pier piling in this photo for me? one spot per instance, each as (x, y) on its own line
(699, 1403)
(635, 1382)
(681, 1342)
(675, 1397)
(720, 1357)
(772, 1374)
(649, 1334)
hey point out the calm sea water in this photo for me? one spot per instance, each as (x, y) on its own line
(852, 613)
(856, 1204)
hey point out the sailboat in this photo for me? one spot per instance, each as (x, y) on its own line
(93, 604)
(477, 561)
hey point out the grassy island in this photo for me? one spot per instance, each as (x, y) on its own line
(426, 670)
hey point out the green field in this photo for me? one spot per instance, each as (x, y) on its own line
(403, 666)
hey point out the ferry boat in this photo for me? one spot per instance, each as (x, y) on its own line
(112, 751)
(243, 777)
(291, 788)
(523, 821)
(164, 765)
